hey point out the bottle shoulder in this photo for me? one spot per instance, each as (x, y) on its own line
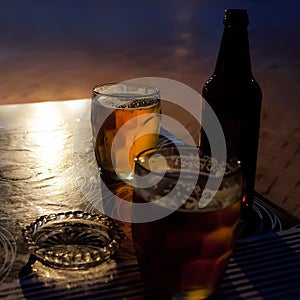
(216, 86)
(232, 99)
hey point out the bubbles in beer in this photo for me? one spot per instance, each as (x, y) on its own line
(127, 102)
(123, 126)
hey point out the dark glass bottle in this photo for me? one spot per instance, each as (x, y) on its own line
(235, 97)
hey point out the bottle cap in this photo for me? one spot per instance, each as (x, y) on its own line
(235, 17)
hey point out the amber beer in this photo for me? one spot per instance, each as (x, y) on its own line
(138, 115)
(185, 254)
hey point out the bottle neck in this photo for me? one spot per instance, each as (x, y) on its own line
(234, 55)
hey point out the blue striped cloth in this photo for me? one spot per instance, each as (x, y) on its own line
(262, 267)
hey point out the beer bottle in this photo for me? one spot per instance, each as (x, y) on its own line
(235, 97)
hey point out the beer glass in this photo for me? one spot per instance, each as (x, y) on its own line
(125, 120)
(184, 254)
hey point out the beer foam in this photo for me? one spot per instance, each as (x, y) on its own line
(202, 197)
(222, 198)
(216, 168)
(186, 163)
(127, 101)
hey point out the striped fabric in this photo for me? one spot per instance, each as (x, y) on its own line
(265, 267)
(262, 267)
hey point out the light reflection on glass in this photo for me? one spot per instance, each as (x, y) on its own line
(101, 275)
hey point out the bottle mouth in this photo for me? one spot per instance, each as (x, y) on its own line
(236, 17)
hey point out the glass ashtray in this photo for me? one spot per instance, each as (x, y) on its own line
(73, 240)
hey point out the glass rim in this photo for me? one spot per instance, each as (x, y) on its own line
(171, 173)
(108, 227)
(123, 95)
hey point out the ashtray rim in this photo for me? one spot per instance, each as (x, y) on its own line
(102, 220)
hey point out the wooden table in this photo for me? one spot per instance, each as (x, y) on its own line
(47, 165)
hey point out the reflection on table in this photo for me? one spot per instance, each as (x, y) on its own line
(47, 165)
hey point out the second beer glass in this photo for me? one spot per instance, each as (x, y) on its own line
(184, 254)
